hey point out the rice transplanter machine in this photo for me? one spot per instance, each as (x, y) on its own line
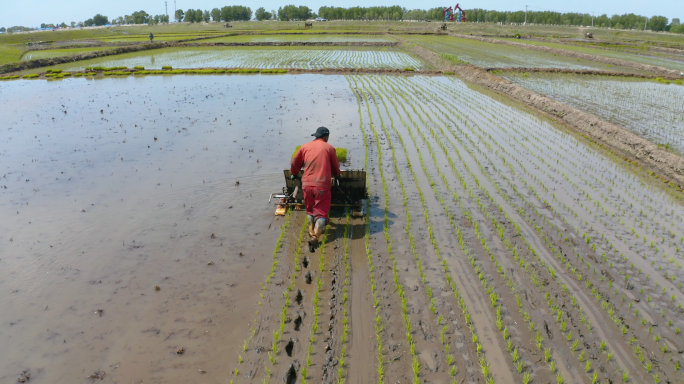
(349, 191)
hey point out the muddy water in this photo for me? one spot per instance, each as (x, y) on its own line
(112, 187)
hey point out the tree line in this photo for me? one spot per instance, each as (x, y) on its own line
(626, 21)
(396, 13)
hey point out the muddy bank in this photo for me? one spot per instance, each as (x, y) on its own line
(600, 59)
(578, 72)
(29, 64)
(628, 144)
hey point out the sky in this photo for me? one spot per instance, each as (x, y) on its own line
(31, 13)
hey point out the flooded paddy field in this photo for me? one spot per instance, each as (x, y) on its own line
(495, 247)
(251, 57)
(489, 55)
(113, 187)
(654, 110)
(301, 37)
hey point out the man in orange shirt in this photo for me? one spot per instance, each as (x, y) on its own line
(320, 165)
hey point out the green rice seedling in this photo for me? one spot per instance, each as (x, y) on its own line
(602, 346)
(166, 67)
(587, 367)
(527, 378)
(559, 378)
(594, 378)
(515, 355)
(575, 344)
(648, 367)
(677, 366)
(239, 359)
(625, 376)
(581, 356)
(552, 366)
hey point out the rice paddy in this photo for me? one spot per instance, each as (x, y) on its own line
(251, 57)
(652, 109)
(495, 246)
(491, 55)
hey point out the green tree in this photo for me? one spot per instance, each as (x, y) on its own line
(100, 20)
(179, 15)
(140, 17)
(190, 16)
(292, 12)
(206, 16)
(236, 13)
(261, 14)
(657, 23)
(216, 14)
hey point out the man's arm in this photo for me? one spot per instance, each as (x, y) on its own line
(334, 163)
(297, 163)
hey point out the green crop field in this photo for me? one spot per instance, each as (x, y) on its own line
(651, 60)
(50, 53)
(496, 55)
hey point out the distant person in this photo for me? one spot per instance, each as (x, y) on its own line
(151, 37)
(320, 165)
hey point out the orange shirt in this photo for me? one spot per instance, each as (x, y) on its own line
(320, 164)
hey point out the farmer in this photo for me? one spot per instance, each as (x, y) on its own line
(151, 37)
(320, 165)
